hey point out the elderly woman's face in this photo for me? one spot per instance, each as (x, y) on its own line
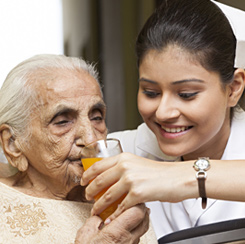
(71, 114)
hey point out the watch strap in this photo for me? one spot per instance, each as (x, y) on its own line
(201, 166)
(201, 177)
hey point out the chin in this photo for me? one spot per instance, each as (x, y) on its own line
(73, 179)
(76, 180)
(171, 151)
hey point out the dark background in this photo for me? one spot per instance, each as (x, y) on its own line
(104, 32)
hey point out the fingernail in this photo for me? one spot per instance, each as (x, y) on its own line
(107, 221)
(101, 226)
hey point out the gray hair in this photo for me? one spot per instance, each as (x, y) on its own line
(17, 95)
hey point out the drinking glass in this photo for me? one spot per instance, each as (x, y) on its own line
(96, 151)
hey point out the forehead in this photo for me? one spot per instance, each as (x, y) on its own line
(169, 60)
(175, 64)
(173, 52)
(65, 84)
(73, 90)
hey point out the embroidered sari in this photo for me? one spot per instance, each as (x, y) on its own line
(27, 219)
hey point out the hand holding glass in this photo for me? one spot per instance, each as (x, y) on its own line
(95, 152)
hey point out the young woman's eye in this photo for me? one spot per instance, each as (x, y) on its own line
(151, 94)
(188, 95)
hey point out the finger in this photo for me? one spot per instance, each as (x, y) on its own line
(142, 228)
(131, 218)
(127, 202)
(97, 169)
(102, 182)
(117, 192)
(88, 230)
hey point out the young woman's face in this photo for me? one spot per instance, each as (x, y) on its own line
(185, 105)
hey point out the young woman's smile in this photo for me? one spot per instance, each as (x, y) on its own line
(173, 131)
(186, 107)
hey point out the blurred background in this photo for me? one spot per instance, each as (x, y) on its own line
(100, 31)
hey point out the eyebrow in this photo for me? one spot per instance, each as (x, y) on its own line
(187, 80)
(174, 82)
(99, 105)
(62, 110)
(147, 80)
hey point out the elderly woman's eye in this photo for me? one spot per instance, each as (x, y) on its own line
(97, 116)
(61, 122)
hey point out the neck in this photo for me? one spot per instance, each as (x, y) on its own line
(35, 184)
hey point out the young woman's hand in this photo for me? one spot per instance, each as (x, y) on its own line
(138, 179)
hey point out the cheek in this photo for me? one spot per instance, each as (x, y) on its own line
(100, 129)
(146, 107)
(59, 148)
(207, 116)
(54, 149)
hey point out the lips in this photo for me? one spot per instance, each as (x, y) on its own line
(76, 160)
(176, 129)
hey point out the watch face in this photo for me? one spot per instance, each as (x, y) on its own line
(202, 164)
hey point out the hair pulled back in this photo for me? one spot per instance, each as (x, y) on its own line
(197, 26)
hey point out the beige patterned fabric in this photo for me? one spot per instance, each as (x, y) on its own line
(27, 219)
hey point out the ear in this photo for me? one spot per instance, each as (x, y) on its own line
(236, 88)
(11, 148)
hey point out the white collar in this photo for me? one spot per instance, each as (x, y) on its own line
(147, 142)
(235, 145)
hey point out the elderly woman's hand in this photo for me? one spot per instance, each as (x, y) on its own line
(125, 229)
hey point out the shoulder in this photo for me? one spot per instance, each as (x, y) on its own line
(238, 124)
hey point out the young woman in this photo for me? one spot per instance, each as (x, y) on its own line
(188, 97)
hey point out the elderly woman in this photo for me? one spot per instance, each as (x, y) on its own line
(50, 107)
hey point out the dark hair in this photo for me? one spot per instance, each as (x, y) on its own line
(197, 26)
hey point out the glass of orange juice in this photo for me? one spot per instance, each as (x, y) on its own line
(94, 152)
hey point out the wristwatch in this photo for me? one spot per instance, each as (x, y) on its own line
(201, 166)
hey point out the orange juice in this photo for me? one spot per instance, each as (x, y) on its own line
(88, 162)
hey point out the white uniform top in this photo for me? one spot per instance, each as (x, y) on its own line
(169, 217)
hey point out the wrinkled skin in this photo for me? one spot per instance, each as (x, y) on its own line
(126, 229)
(70, 114)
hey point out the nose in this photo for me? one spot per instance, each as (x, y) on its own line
(167, 109)
(86, 135)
